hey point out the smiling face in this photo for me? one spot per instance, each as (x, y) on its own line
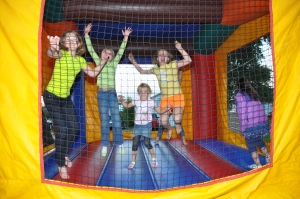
(71, 41)
(143, 93)
(110, 54)
(163, 57)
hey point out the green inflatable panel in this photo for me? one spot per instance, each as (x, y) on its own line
(210, 37)
(54, 11)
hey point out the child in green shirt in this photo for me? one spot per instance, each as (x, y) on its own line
(107, 96)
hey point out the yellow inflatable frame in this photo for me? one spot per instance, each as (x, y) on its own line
(21, 174)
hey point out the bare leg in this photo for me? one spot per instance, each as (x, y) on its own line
(177, 116)
(184, 141)
(159, 132)
(156, 140)
(134, 156)
(165, 122)
(255, 158)
(68, 162)
(264, 150)
(154, 161)
(151, 151)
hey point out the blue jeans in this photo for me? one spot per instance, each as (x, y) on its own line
(108, 103)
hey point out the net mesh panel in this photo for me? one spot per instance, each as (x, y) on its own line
(226, 40)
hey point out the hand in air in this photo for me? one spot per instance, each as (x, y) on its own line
(126, 32)
(131, 57)
(120, 98)
(87, 29)
(169, 106)
(178, 45)
(54, 41)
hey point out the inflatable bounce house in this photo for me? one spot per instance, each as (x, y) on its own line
(214, 163)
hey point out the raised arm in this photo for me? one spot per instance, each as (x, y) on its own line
(136, 65)
(186, 57)
(125, 104)
(126, 32)
(53, 50)
(89, 45)
(93, 72)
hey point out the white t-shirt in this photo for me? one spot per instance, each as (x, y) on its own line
(143, 111)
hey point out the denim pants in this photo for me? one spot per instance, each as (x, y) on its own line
(65, 123)
(108, 105)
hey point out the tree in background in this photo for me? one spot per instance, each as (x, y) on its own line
(128, 114)
(248, 62)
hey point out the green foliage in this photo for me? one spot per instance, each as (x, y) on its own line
(128, 114)
(247, 62)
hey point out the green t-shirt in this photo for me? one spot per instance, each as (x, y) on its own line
(167, 76)
(106, 78)
(65, 71)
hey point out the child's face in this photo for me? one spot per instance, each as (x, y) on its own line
(71, 41)
(162, 57)
(144, 93)
(110, 54)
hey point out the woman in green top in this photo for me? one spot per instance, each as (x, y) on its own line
(107, 96)
(67, 51)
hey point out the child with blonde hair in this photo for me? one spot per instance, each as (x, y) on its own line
(166, 71)
(143, 121)
(67, 51)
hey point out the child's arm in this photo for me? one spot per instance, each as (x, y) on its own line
(89, 45)
(136, 65)
(53, 50)
(126, 33)
(159, 111)
(93, 72)
(125, 104)
(186, 58)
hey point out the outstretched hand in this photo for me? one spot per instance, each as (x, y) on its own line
(178, 45)
(126, 32)
(54, 42)
(87, 29)
(120, 98)
(169, 106)
(131, 57)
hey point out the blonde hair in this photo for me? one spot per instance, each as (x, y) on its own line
(144, 85)
(112, 52)
(80, 50)
(156, 62)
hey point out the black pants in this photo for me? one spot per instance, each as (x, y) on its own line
(65, 123)
(136, 140)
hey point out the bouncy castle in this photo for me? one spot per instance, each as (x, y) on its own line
(214, 163)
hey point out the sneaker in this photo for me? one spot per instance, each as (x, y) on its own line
(254, 166)
(154, 164)
(122, 151)
(131, 166)
(268, 158)
(104, 151)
